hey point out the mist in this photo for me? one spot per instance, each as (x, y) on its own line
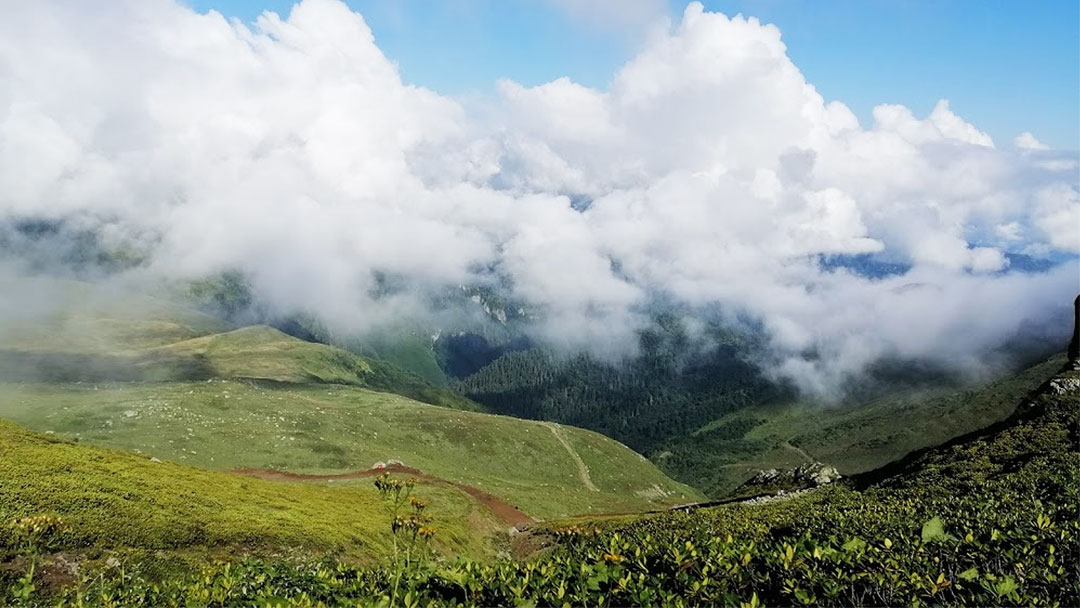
(710, 174)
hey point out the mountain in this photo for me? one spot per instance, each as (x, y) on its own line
(854, 438)
(77, 331)
(190, 391)
(1040, 436)
(699, 405)
(989, 518)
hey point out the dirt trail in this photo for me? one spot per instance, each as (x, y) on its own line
(502, 509)
(583, 471)
(799, 451)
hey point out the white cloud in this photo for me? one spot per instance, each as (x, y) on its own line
(712, 172)
(1027, 141)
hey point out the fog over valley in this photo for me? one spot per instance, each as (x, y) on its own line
(709, 180)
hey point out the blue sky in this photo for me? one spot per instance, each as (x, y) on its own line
(1006, 67)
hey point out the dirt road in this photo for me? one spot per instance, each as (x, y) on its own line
(502, 509)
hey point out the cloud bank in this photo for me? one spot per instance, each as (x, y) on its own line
(709, 172)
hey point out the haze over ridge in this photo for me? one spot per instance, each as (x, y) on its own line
(710, 172)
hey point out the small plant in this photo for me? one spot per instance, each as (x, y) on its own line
(410, 528)
(30, 536)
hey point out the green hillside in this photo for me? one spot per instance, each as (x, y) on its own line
(665, 391)
(726, 452)
(546, 470)
(261, 352)
(989, 519)
(114, 500)
(74, 331)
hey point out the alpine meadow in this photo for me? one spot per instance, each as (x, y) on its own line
(558, 303)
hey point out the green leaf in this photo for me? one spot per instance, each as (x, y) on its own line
(855, 544)
(969, 575)
(934, 531)
(1006, 586)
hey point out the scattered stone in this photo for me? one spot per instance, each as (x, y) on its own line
(781, 495)
(155, 459)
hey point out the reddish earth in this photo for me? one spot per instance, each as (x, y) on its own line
(502, 509)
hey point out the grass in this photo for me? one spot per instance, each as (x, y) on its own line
(726, 452)
(227, 424)
(58, 330)
(406, 350)
(113, 500)
(264, 353)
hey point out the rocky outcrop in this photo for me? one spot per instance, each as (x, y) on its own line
(1063, 386)
(819, 474)
(812, 475)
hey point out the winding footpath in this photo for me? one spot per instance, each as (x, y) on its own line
(583, 471)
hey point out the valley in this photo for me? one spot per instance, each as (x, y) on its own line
(539, 304)
(158, 428)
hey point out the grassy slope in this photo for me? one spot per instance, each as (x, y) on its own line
(407, 351)
(724, 453)
(59, 330)
(115, 500)
(989, 520)
(265, 353)
(305, 419)
(225, 424)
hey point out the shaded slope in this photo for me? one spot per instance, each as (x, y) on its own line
(1045, 427)
(726, 452)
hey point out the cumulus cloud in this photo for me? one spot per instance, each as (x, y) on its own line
(1027, 141)
(710, 172)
